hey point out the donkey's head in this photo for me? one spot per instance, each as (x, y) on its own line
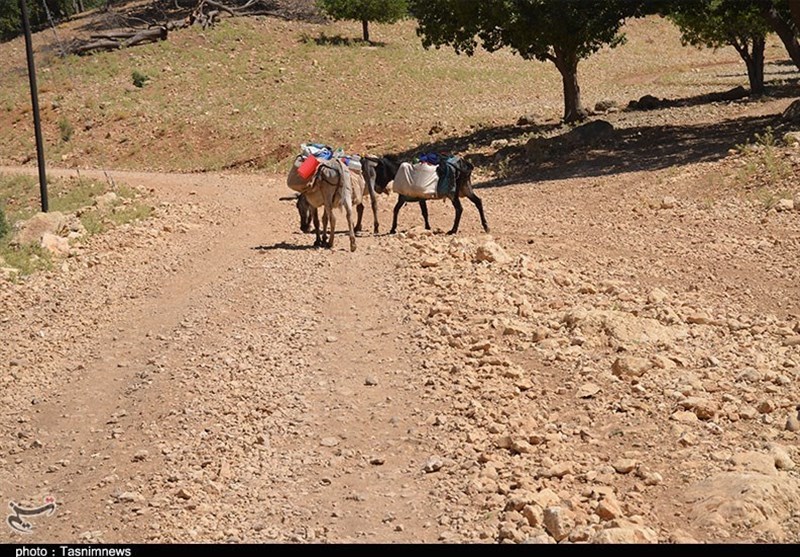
(306, 212)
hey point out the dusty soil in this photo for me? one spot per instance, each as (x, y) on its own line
(617, 361)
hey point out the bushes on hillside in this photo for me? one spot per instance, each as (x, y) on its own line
(3, 223)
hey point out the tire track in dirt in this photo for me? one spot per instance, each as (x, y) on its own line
(155, 370)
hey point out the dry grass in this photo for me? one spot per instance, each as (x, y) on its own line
(246, 93)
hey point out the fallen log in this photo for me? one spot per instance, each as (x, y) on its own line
(114, 35)
(86, 48)
(119, 39)
(147, 36)
(205, 14)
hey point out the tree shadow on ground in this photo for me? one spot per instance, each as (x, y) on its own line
(336, 40)
(550, 155)
(643, 148)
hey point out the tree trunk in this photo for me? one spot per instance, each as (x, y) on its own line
(794, 8)
(782, 28)
(80, 5)
(751, 50)
(567, 64)
(755, 67)
(365, 29)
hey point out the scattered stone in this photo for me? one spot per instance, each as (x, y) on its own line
(624, 465)
(793, 423)
(329, 441)
(630, 366)
(184, 494)
(588, 390)
(608, 509)
(490, 251)
(433, 464)
(626, 535)
(370, 381)
(558, 522)
(668, 202)
(703, 408)
(140, 455)
(31, 231)
(130, 497)
(782, 459)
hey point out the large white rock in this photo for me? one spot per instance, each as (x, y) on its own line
(743, 500)
(30, 232)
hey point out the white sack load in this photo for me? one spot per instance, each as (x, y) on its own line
(418, 180)
(359, 185)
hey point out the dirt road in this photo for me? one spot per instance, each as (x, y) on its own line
(618, 343)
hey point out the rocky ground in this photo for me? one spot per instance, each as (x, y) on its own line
(617, 361)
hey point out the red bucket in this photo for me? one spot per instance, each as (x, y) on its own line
(309, 166)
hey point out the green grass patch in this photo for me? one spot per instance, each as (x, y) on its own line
(4, 227)
(130, 213)
(139, 79)
(19, 200)
(764, 160)
(65, 129)
(27, 259)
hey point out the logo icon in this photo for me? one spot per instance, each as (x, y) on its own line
(17, 520)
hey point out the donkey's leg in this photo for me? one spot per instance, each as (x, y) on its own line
(315, 218)
(331, 224)
(359, 213)
(320, 234)
(459, 209)
(368, 170)
(423, 207)
(348, 209)
(479, 204)
(373, 199)
(397, 207)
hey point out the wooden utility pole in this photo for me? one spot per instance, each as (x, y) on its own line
(37, 124)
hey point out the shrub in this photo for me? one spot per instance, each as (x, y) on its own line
(3, 223)
(66, 129)
(139, 79)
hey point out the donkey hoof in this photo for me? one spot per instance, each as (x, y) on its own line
(451, 232)
(352, 247)
(393, 231)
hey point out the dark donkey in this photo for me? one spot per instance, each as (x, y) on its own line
(379, 171)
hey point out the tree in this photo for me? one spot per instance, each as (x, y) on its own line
(559, 31)
(794, 11)
(365, 11)
(718, 23)
(783, 16)
(10, 22)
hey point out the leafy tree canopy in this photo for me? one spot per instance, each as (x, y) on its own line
(11, 22)
(560, 31)
(378, 11)
(717, 23)
(365, 11)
